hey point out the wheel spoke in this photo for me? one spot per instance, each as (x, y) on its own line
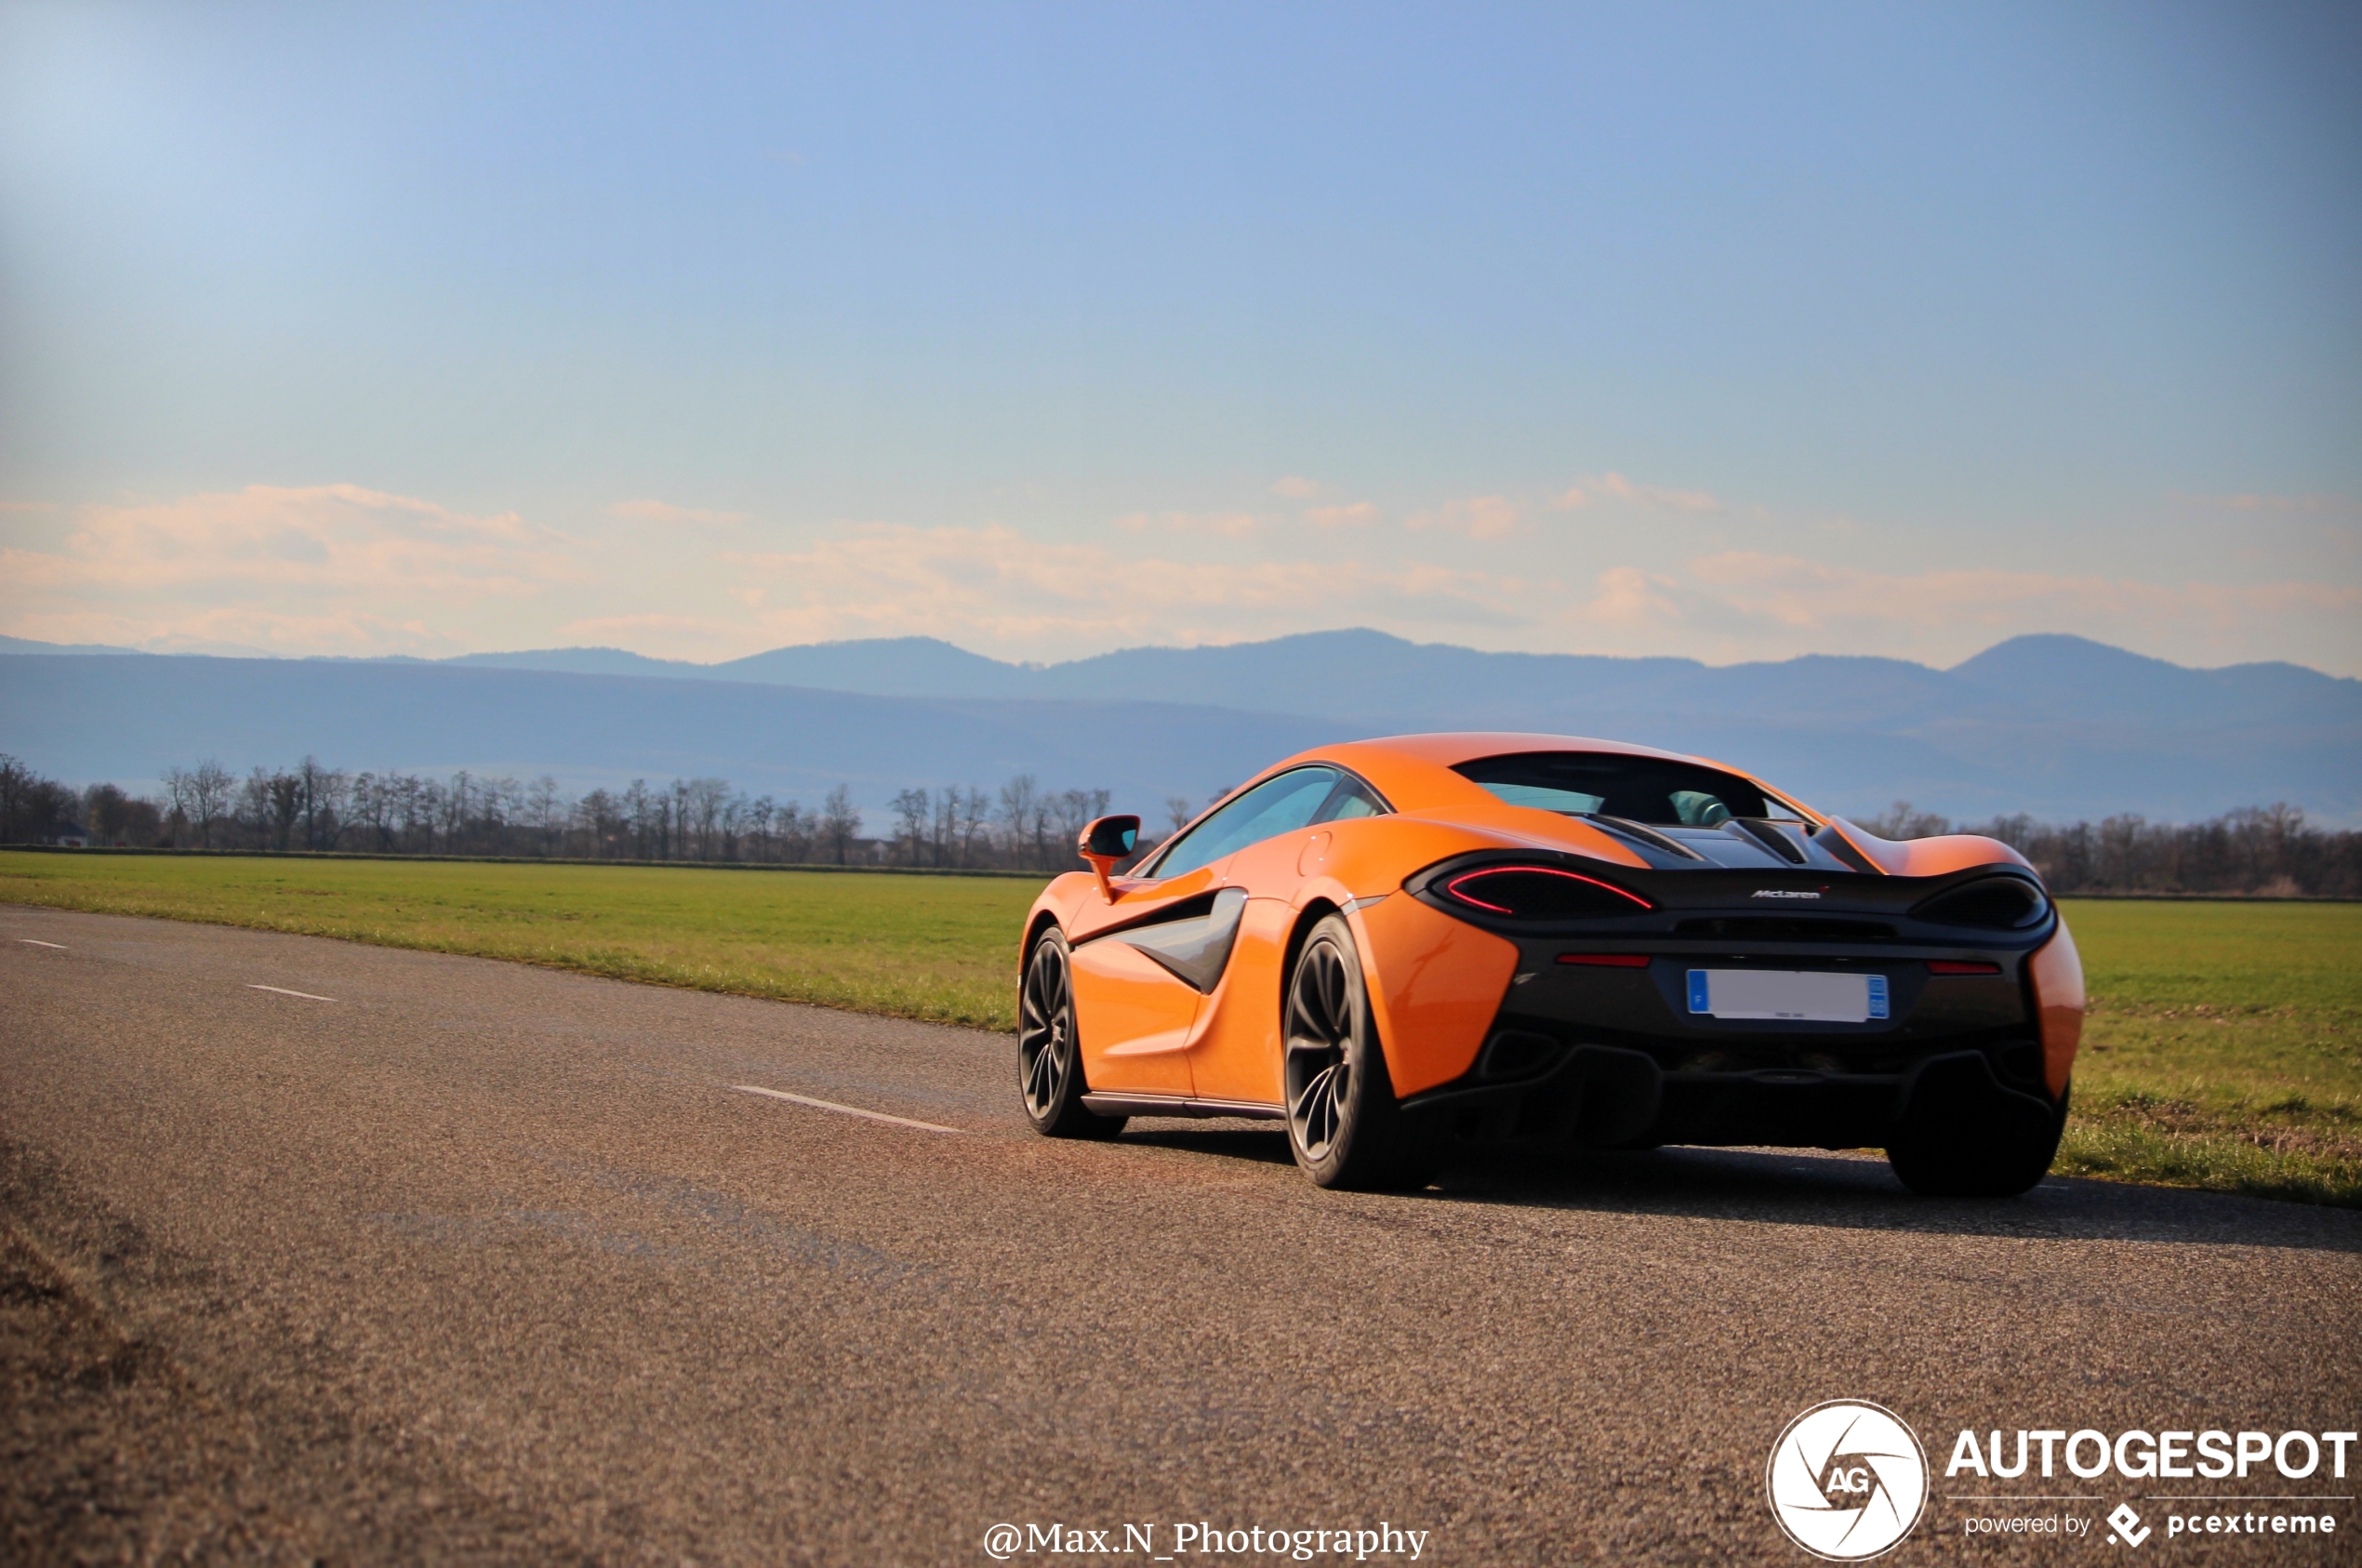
(1333, 992)
(1314, 1113)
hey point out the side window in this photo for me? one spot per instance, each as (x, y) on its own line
(1352, 799)
(1275, 805)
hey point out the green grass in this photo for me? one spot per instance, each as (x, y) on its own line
(940, 948)
(2223, 1049)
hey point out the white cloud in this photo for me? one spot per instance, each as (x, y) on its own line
(997, 586)
(326, 568)
(1296, 487)
(1629, 599)
(1949, 612)
(343, 569)
(1614, 487)
(1229, 525)
(1795, 592)
(1480, 517)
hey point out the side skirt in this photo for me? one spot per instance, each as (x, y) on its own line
(1179, 1105)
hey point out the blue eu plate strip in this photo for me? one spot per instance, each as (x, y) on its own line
(1699, 1000)
(1878, 996)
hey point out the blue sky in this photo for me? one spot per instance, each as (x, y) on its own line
(1738, 331)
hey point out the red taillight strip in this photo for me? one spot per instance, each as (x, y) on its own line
(1607, 960)
(1452, 887)
(1953, 966)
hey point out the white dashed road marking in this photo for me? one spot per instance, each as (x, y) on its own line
(30, 943)
(848, 1110)
(285, 991)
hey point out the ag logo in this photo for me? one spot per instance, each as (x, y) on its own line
(1847, 1479)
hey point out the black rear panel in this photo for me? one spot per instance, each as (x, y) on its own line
(1603, 1020)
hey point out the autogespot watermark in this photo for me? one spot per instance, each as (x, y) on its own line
(2089, 1456)
(1848, 1481)
(1167, 1543)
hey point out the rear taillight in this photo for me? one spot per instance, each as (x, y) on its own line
(1540, 893)
(1957, 966)
(1607, 960)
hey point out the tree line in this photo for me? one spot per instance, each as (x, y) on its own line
(1022, 826)
(2267, 850)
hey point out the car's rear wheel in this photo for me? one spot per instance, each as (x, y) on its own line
(1344, 1124)
(1049, 1055)
(2001, 1164)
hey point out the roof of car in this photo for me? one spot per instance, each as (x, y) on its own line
(1414, 771)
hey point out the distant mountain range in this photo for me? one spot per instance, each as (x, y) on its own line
(2058, 726)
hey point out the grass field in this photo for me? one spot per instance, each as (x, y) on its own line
(2223, 1049)
(940, 948)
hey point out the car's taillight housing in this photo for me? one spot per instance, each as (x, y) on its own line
(1540, 893)
(1996, 903)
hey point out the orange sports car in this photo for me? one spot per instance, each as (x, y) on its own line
(1412, 948)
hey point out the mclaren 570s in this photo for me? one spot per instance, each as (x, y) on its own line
(1406, 949)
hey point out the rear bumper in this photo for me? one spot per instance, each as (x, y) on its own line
(1605, 1097)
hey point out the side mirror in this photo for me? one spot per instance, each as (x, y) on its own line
(1104, 842)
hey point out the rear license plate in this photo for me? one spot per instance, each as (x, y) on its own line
(1791, 995)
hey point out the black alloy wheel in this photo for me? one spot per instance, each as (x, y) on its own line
(1343, 1125)
(1974, 1160)
(1049, 1056)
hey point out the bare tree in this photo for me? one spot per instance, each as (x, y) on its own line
(1901, 820)
(1020, 808)
(912, 811)
(284, 792)
(943, 832)
(31, 807)
(324, 790)
(975, 812)
(209, 789)
(705, 802)
(1071, 812)
(840, 824)
(637, 809)
(1178, 810)
(545, 812)
(795, 828)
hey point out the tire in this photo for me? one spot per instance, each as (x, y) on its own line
(2001, 1167)
(1050, 1081)
(1344, 1127)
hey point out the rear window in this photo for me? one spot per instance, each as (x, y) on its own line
(1651, 789)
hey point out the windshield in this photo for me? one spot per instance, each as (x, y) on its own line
(1652, 790)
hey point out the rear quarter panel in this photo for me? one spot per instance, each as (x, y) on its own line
(2056, 970)
(1435, 984)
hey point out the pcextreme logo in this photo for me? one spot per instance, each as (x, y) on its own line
(1847, 1481)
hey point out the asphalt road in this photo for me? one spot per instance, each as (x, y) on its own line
(473, 1261)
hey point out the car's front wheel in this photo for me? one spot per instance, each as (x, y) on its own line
(1344, 1124)
(1049, 1055)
